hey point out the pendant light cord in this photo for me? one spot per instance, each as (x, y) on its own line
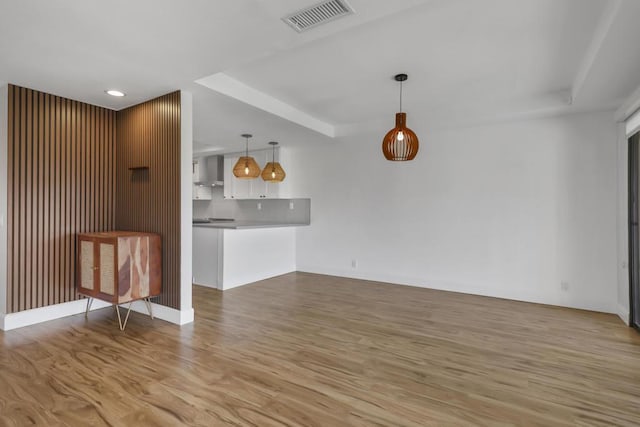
(401, 96)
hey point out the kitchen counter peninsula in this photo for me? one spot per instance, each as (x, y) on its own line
(227, 254)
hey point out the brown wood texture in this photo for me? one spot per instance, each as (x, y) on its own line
(154, 256)
(148, 135)
(311, 350)
(61, 181)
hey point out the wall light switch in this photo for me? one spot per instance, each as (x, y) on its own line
(259, 206)
(291, 205)
(1, 220)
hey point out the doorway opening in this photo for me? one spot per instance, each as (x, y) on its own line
(634, 231)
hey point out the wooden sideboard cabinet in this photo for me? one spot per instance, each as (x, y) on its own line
(119, 267)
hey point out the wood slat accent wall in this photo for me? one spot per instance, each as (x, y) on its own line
(61, 181)
(148, 135)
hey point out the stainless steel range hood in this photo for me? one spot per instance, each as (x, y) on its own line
(214, 166)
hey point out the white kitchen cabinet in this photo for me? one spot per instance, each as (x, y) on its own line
(242, 188)
(250, 188)
(257, 187)
(202, 192)
(229, 161)
(273, 191)
(234, 188)
(195, 170)
(199, 169)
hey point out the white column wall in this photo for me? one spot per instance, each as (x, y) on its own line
(3, 200)
(186, 208)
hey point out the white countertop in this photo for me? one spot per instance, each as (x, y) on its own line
(239, 225)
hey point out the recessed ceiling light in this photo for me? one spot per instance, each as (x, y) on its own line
(114, 92)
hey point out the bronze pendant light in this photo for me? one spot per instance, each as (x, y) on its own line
(400, 143)
(246, 167)
(272, 171)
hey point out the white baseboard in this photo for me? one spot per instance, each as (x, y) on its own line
(623, 313)
(56, 311)
(44, 314)
(178, 317)
(466, 288)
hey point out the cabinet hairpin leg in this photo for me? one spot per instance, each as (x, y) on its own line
(89, 301)
(147, 302)
(123, 325)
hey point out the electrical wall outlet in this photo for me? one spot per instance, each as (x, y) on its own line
(354, 263)
(259, 206)
(291, 205)
(564, 286)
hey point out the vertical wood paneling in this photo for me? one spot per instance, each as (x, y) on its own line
(149, 135)
(11, 130)
(61, 181)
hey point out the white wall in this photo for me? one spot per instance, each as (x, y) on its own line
(509, 210)
(4, 114)
(186, 206)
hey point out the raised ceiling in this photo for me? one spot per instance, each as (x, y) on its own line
(468, 61)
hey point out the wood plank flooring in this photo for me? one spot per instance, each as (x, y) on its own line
(311, 350)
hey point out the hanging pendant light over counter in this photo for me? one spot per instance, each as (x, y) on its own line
(400, 143)
(246, 167)
(272, 171)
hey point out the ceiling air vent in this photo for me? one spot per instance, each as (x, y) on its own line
(319, 14)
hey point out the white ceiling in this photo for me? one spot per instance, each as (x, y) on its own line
(468, 60)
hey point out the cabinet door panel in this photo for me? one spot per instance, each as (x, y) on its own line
(107, 269)
(242, 188)
(258, 185)
(229, 182)
(273, 190)
(258, 189)
(195, 171)
(202, 192)
(86, 265)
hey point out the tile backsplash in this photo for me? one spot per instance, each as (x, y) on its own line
(272, 210)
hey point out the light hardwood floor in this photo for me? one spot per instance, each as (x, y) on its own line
(314, 350)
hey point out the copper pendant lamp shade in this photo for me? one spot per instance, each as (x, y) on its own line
(400, 143)
(272, 171)
(246, 167)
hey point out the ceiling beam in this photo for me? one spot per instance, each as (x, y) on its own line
(552, 104)
(233, 88)
(602, 30)
(630, 106)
